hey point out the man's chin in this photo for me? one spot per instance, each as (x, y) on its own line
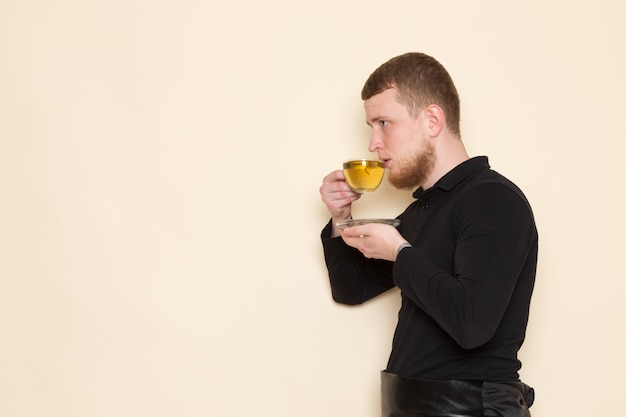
(402, 183)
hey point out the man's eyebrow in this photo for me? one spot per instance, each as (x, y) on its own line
(373, 120)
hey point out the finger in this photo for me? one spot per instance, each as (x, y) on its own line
(356, 232)
(335, 176)
(338, 189)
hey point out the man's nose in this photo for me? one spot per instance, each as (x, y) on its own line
(375, 143)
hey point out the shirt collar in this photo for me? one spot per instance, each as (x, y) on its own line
(456, 175)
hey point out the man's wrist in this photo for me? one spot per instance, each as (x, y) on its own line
(402, 246)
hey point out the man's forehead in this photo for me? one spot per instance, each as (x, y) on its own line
(385, 98)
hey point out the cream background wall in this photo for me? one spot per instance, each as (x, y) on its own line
(159, 209)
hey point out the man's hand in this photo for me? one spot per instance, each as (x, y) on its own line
(338, 197)
(374, 240)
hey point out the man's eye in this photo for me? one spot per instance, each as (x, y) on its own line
(384, 122)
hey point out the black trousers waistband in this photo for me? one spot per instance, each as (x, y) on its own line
(410, 397)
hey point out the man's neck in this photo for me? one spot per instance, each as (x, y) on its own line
(450, 153)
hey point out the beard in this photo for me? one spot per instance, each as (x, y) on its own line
(411, 172)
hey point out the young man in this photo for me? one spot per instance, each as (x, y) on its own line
(464, 255)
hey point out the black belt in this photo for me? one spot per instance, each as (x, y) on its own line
(409, 397)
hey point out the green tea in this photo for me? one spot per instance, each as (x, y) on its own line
(363, 175)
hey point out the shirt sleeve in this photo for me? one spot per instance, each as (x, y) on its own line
(354, 279)
(495, 234)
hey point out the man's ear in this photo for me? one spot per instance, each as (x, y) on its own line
(435, 118)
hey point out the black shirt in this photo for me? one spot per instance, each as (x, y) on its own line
(466, 282)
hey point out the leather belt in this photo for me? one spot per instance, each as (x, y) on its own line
(410, 397)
